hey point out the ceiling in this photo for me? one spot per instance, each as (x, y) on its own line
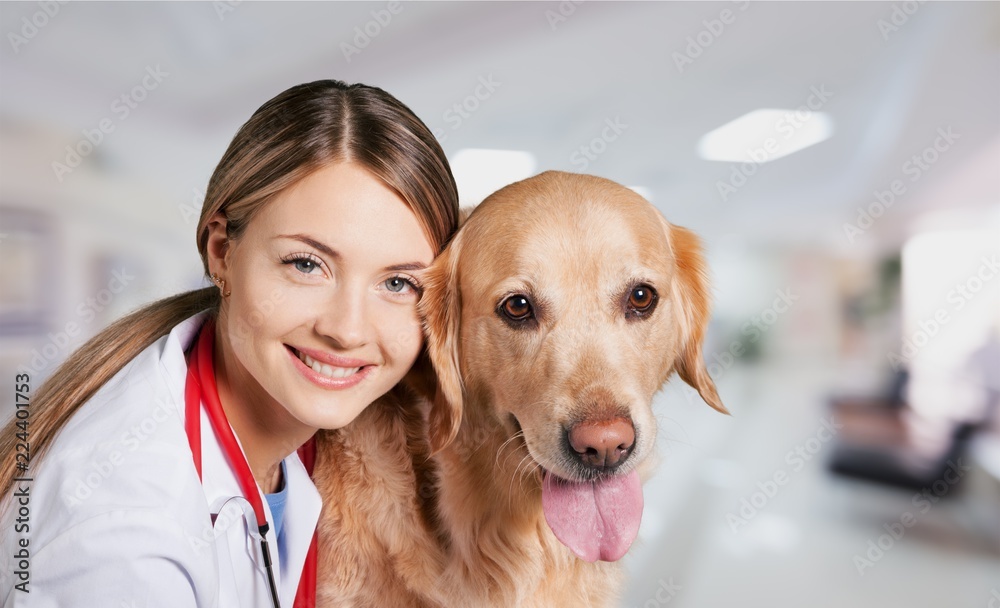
(561, 71)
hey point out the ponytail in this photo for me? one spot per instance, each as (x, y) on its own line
(90, 367)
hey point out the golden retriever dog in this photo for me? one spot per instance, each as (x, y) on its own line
(557, 311)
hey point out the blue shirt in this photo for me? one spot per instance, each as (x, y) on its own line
(277, 502)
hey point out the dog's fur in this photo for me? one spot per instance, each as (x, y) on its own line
(465, 528)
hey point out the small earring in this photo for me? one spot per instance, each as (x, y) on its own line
(222, 285)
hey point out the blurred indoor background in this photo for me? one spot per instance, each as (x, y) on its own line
(840, 160)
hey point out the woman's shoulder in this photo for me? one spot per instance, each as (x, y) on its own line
(125, 448)
(143, 401)
(150, 382)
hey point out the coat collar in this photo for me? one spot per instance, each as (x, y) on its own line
(303, 504)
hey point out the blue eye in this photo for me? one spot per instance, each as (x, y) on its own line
(304, 264)
(398, 284)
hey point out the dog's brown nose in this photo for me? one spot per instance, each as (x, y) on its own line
(602, 444)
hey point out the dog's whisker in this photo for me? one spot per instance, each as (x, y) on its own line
(512, 438)
(510, 443)
(519, 475)
(666, 439)
(527, 473)
(519, 434)
(509, 440)
(515, 476)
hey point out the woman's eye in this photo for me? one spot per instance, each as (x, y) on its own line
(400, 284)
(305, 265)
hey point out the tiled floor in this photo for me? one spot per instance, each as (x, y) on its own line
(797, 547)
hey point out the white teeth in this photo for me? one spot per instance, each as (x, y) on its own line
(328, 370)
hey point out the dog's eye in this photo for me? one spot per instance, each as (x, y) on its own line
(641, 299)
(517, 307)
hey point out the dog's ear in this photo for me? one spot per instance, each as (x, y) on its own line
(440, 309)
(692, 298)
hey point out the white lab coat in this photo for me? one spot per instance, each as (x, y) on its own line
(119, 519)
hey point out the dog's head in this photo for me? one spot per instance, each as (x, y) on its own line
(563, 304)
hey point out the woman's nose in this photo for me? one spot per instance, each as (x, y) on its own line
(344, 318)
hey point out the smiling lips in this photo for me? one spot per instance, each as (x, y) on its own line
(327, 370)
(330, 371)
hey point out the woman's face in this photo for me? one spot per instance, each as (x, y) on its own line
(325, 280)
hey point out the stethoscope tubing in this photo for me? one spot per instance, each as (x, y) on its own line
(200, 388)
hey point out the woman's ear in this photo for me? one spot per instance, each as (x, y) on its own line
(440, 309)
(217, 244)
(692, 298)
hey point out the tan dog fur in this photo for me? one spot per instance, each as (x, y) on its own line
(465, 528)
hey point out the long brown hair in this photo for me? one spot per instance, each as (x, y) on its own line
(286, 139)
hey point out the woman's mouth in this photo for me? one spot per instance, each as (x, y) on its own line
(327, 370)
(326, 373)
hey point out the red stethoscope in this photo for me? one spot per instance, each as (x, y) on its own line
(200, 388)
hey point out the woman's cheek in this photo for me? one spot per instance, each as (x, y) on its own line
(263, 296)
(405, 342)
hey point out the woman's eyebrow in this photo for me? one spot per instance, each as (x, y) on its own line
(407, 266)
(308, 240)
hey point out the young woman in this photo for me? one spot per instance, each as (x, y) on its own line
(170, 474)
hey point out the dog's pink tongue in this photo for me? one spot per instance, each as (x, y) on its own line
(596, 520)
